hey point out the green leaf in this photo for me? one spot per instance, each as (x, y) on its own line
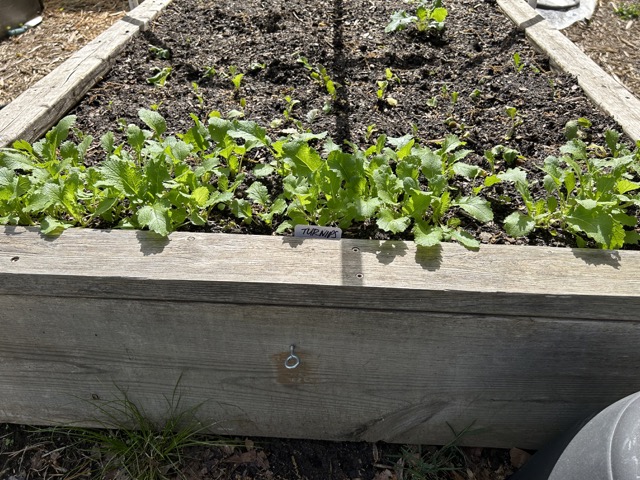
(120, 174)
(104, 207)
(431, 164)
(15, 160)
(23, 145)
(587, 203)
(135, 137)
(263, 170)
(301, 156)
(427, 235)
(387, 184)
(519, 225)
(285, 226)
(156, 218)
(477, 207)
(439, 14)
(217, 197)
(60, 132)
(599, 225)
(259, 194)
(399, 21)
(241, 208)
(388, 222)
(417, 203)
(465, 239)
(200, 195)
(515, 175)
(107, 142)
(51, 226)
(623, 186)
(611, 138)
(156, 173)
(366, 208)
(153, 120)
(632, 237)
(466, 170)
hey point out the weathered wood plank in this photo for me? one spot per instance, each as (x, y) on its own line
(506, 280)
(365, 374)
(598, 85)
(32, 113)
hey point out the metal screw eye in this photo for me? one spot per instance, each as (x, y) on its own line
(292, 360)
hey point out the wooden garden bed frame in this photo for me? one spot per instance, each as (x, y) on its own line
(396, 343)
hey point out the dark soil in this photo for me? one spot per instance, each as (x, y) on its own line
(458, 83)
(264, 40)
(32, 454)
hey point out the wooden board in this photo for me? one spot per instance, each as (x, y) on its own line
(383, 357)
(599, 86)
(36, 110)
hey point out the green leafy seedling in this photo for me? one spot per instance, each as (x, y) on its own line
(160, 53)
(160, 76)
(428, 18)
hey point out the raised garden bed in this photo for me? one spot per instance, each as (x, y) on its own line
(394, 341)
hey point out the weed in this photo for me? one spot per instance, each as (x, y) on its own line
(628, 11)
(132, 443)
(432, 463)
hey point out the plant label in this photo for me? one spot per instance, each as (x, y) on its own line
(313, 231)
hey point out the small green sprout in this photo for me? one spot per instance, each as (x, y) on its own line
(428, 18)
(160, 76)
(516, 121)
(196, 91)
(209, 72)
(237, 80)
(320, 75)
(517, 62)
(160, 53)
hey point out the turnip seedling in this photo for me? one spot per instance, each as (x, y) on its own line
(160, 77)
(319, 74)
(517, 62)
(516, 121)
(196, 91)
(428, 18)
(160, 53)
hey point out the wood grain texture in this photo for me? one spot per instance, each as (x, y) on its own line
(395, 342)
(599, 86)
(535, 281)
(36, 110)
(365, 374)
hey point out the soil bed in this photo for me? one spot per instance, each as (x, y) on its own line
(459, 84)
(36, 454)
